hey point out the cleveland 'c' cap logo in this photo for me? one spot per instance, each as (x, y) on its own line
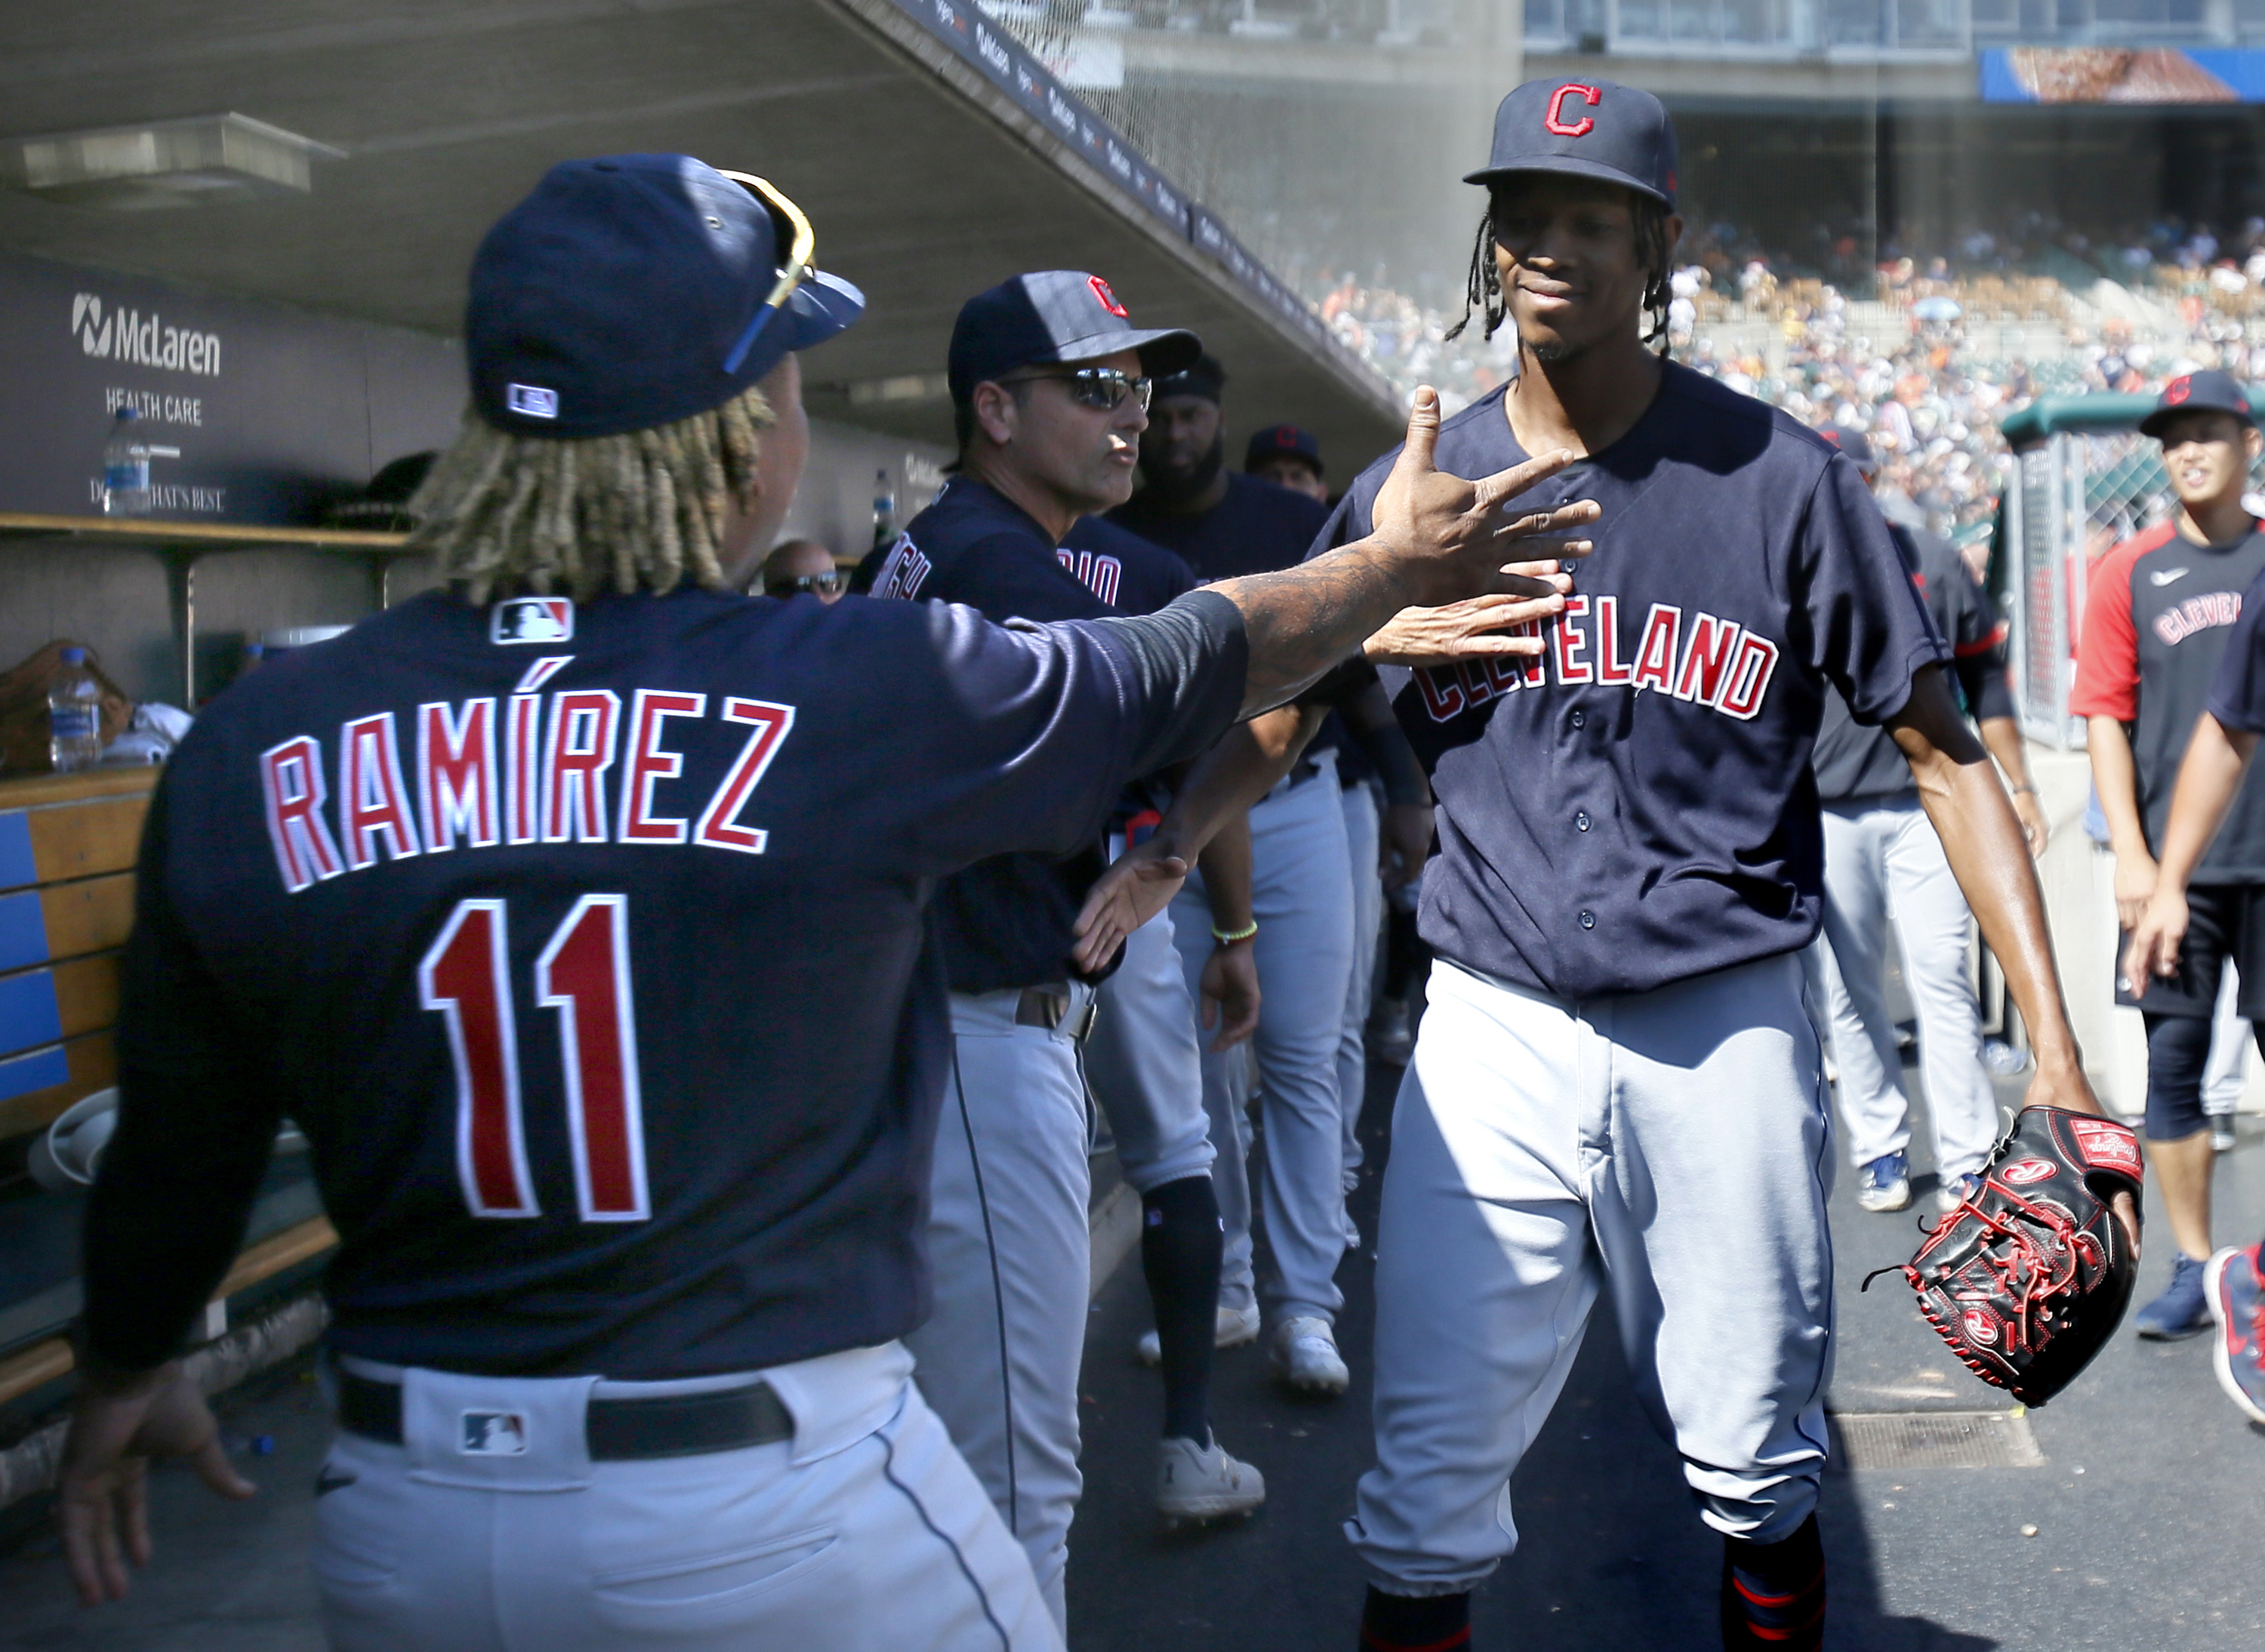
(2178, 389)
(1555, 118)
(1108, 299)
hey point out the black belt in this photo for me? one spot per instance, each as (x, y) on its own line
(616, 1431)
(1048, 1007)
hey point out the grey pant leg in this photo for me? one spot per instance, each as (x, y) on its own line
(1144, 1065)
(1009, 1250)
(1361, 835)
(2227, 1076)
(1302, 899)
(1225, 1104)
(1933, 924)
(1874, 1110)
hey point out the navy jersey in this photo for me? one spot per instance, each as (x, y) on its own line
(586, 946)
(1854, 761)
(1007, 921)
(1635, 806)
(1258, 528)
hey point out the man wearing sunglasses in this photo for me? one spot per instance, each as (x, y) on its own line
(618, 1305)
(1050, 388)
(804, 566)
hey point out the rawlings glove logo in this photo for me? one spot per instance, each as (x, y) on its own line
(2029, 1170)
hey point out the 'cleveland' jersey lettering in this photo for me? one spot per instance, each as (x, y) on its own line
(555, 787)
(1721, 665)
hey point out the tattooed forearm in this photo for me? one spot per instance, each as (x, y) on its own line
(1303, 621)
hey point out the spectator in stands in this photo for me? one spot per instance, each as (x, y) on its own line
(2156, 623)
(804, 565)
(1289, 458)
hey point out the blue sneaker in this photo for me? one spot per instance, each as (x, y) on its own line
(2237, 1302)
(2182, 1310)
(1882, 1184)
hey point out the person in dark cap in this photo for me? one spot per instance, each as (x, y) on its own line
(1616, 1085)
(1881, 855)
(1050, 384)
(1289, 458)
(2157, 621)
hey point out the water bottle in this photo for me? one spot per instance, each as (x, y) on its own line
(74, 716)
(885, 509)
(125, 469)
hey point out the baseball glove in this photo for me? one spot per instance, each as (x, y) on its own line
(2029, 1277)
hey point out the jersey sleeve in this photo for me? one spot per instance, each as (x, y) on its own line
(1963, 611)
(1031, 730)
(2237, 694)
(197, 1115)
(1867, 629)
(2107, 647)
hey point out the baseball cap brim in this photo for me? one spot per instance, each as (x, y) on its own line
(2152, 424)
(1568, 163)
(1163, 350)
(821, 307)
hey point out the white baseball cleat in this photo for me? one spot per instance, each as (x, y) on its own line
(1202, 1482)
(1237, 1326)
(1305, 1354)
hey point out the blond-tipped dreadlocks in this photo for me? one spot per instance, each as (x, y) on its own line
(508, 514)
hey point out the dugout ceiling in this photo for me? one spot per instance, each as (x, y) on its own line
(925, 181)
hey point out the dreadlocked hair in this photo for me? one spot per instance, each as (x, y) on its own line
(644, 510)
(1483, 287)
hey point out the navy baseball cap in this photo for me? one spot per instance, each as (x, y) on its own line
(1854, 443)
(636, 290)
(1278, 440)
(1590, 128)
(1055, 316)
(2198, 392)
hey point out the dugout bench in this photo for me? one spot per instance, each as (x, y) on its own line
(68, 844)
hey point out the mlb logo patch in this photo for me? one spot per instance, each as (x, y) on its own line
(531, 620)
(531, 401)
(492, 1434)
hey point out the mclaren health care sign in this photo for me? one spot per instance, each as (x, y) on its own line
(256, 412)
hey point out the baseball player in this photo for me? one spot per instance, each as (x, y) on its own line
(2212, 787)
(1294, 905)
(1616, 1084)
(2158, 621)
(618, 1304)
(1049, 383)
(1881, 853)
(1289, 458)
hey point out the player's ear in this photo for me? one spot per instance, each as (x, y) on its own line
(1672, 237)
(995, 411)
(2253, 442)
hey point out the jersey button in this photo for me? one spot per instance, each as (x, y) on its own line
(1580, 719)
(1588, 920)
(1581, 819)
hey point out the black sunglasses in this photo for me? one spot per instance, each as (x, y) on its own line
(815, 583)
(1102, 388)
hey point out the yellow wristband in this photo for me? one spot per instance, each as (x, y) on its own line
(1228, 937)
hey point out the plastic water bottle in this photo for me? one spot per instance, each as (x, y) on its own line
(125, 467)
(885, 509)
(74, 716)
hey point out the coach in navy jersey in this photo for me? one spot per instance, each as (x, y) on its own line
(480, 894)
(1616, 1086)
(1049, 383)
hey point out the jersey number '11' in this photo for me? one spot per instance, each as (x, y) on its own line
(584, 974)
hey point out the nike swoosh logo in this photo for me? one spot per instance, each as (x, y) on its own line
(2170, 574)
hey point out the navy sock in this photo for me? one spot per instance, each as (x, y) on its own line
(1180, 1246)
(1774, 1593)
(1415, 1623)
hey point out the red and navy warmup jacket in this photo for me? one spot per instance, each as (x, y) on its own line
(2158, 617)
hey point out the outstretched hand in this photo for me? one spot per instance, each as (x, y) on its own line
(1452, 535)
(103, 1494)
(1138, 884)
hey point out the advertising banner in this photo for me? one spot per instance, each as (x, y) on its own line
(2123, 75)
(253, 412)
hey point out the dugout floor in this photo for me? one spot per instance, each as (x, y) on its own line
(2149, 1504)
